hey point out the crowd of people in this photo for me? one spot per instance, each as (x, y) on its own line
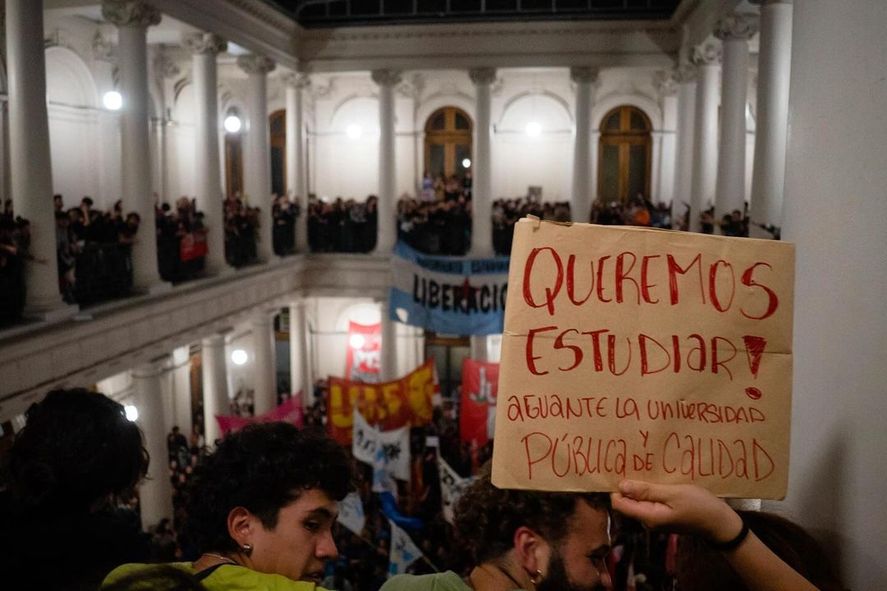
(94, 246)
(342, 225)
(15, 240)
(259, 512)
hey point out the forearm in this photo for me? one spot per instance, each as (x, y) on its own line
(762, 570)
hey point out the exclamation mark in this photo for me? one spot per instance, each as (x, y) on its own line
(754, 349)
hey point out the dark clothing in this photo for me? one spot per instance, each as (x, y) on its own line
(66, 551)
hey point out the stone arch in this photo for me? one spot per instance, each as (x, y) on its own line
(552, 107)
(439, 100)
(605, 104)
(68, 79)
(356, 108)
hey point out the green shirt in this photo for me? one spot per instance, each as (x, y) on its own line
(228, 577)
(446, 581)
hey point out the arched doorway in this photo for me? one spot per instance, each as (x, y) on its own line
(233, 165)
(448, 142)
(624, 154)
(277, 123)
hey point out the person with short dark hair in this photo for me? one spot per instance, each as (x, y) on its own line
(261, 510)
(522, 539)
(76, 455)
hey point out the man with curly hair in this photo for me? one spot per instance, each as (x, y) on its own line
(261, 509)
(521, 539)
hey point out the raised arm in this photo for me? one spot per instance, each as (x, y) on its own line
(690, 509)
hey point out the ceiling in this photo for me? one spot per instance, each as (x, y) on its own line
(344, 13)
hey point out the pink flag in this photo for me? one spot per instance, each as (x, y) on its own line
(290, 411)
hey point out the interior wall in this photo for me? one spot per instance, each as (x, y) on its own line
(836, 214)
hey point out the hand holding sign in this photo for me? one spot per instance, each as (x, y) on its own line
(632, 353)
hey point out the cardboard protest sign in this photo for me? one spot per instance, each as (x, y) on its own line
(635, 353)
(388, 405)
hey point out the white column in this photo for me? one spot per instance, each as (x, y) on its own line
(686, 78)
(389, 343)
(662, 186)
(132, 19)
(155, 492)
(482, 175)
(580, 199)
(296, 173)
(30, 163)
(705, 131)
(257, 160)
(774, 70)
(165, 68)
(299, 377)
(265, 379)
(204, 48)
(836, 215)
(387, 232)
(181, 389)
(214, 370)
(734, 30)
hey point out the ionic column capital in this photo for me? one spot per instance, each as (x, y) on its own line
(482, 75)
(736, 26)
(707, 54)
(204, 43)
(386, 77)
(297, 80)
(130, 13)
(666, 82)
(165, 66)
(256, 64)
(685, 73)
(584, 74)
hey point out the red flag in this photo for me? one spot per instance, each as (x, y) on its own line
(477, 408)
(363, 355)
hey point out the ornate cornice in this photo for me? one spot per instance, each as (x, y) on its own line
(386, 77)
(398, 33)
(584, 74)
(204, 43)
(736, 26)
(130, 13)
(707, 54)
(263, 12)
(256, 64)
(482, 75)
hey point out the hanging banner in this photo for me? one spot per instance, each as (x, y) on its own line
(451, 487)
(362, 358)
(637, 353)
(450, 295)
(408, 401)
(403, 553)
(394, 445)
(351, 513)
(290, 411)
(477, 409)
